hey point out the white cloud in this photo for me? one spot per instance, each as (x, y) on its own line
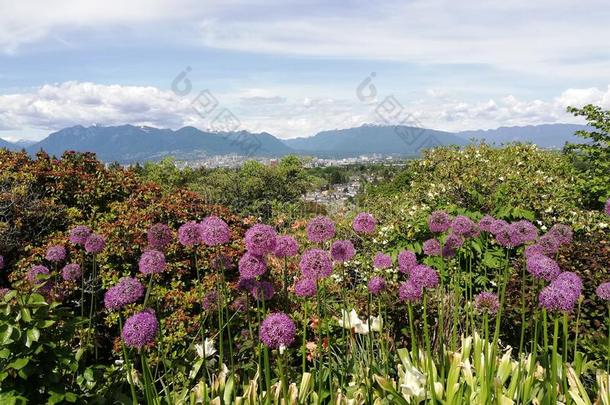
(55, 106)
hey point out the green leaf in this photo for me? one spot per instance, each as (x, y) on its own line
(20, 363)
(32, 335)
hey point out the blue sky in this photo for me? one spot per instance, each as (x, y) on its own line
(292, 68)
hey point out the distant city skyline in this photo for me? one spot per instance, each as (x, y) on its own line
(294, 68)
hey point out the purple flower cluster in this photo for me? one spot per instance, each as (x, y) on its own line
(71, 272)
(424, 276)
(251, 266)
(277, 330)
(562, 294)
(497, 226)
(320, 229)
(127, 291)
(159, 236)
(286, 246)
(79, 234)
(406, 261)
(549, 244)
(542, 267)
(462, 225)
(189, 234)
(56, 254)
(214, 231)
(305, 288)
(365, 223)
(210, 301)
(33, 273)
(140, 329)
(603, 291)
(486, 222)
(607, 207)
(95, 243)
(245, 283)
(316, 264)
(432, 247)
(439, 221)
(376, 285)
(152, 261)
(521, 232)
(382, 261)
(453, 242)
(262, 290)
(342, 250)
(410, 292)
(533, 250)
(487, 302)
(261, 239)
(562, 233)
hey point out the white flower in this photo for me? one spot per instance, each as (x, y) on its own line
(209, 349)
(282, 348)
(351, 320)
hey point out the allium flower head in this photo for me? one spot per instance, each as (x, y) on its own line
(424, 276)
(140, 329)
(261, 239)
(214, 231)
(533, 250)
(286, 246)
(603, 291)
(439, 221)
(251, 266)
(607, 207)
(462, 225)
(453, 241)
(410, 292)
(189, 234)
(376, 285)
(33, 273)
(316, 264)
(152, 261)
(342, 250)
(549, 243)
(486, 222)
(503, 237)
(159, 236)
(305, 288)
(320, 229)
(521, 232)
(127, 291)
(71, 272)
(562, 233)
(432, 247)
(56, 254)
(406, 261)
(263, 290)
(365, 223)
(382, 261)
(277, 330)
(79, 234)
(542, 267)
(570, 281)
(95, 243)
(245, 284)
(497, 226)
(487, 302)
(556, 298)
(210, 301)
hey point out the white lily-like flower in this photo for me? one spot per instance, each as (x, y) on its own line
(282, 348)
(209, 350)
(351, 321)
(412, 382)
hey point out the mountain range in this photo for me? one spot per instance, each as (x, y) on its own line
(128, 143)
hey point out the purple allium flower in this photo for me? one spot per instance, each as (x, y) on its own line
(305, 288)
(603, 290)
(549, 243)
(56, 254)
(462, 225)
(406, 261)
(189, 234)
(503, 237)
(382, 261)
(261, 239)
(533, 250)
(342, 250)
(159, 236)
(439, 221)
(71, 272)
(521, 232)
(542, 267)
(607, 207)
(33, 273)
(127, 291)
(251, 266)
(1, 262)
(376, 285)
(140, 329)
(277, 330)
(487, 302)
(95, 243)
(365, 223)
(562, 233)
(486, 222)
(424, 276)
(263, 290)
(316, 264)
(152, 261)
(320, 229)
(497, 226)
(79, 234)
(410, 292)
(245, 283)
(570, 280)
(210, 301)
(214, 231)
(432, 247)
(453, 241)
(286, 246)
(556, 298)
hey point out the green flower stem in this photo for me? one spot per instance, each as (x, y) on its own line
(554, 361)
(414, 350)
(577, 328)
(430, 373)
(522, 336)
(304, 345)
